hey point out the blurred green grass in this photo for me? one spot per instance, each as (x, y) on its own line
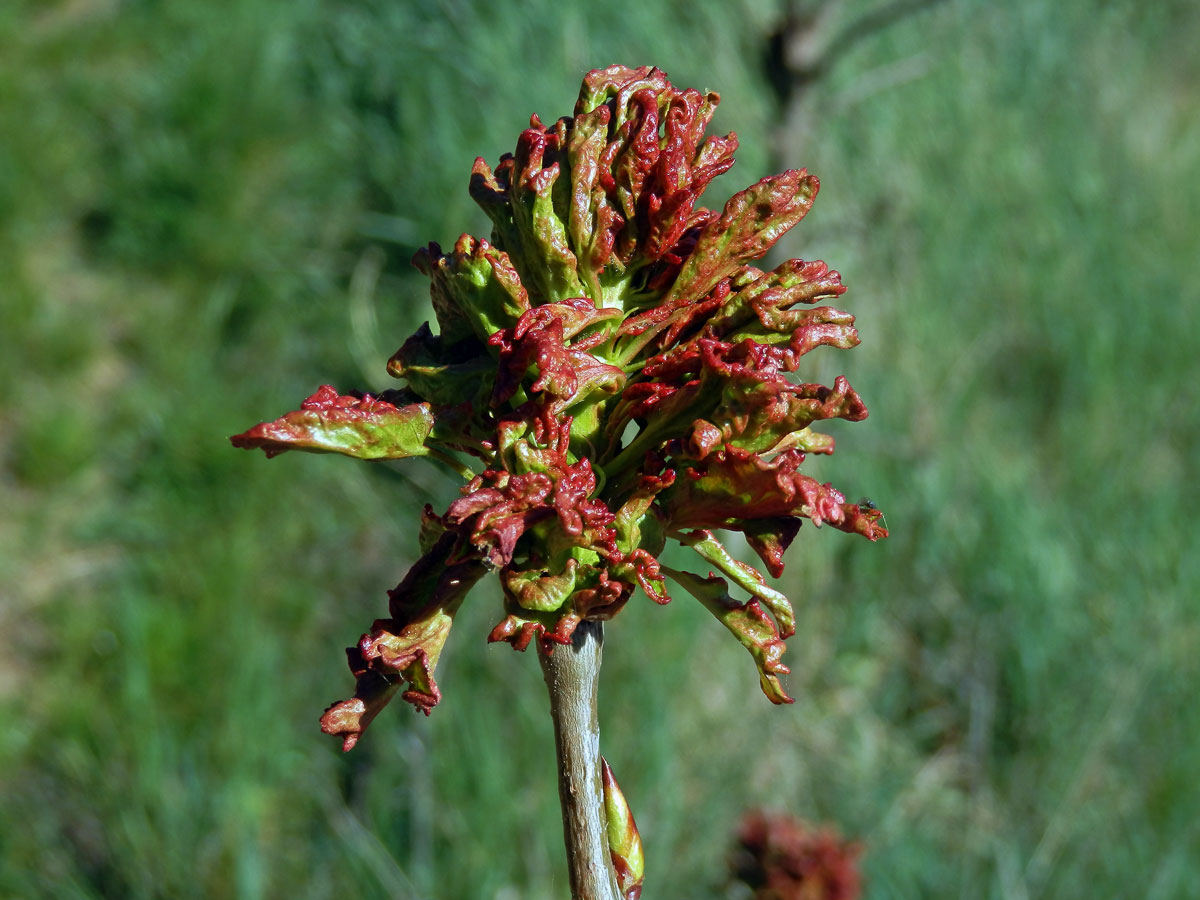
(207, 211)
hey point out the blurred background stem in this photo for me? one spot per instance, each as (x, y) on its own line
(572, 674)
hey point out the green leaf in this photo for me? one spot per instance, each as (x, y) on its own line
(539, 591)
(443, 374)
(475, 284)
(529, 208)
(746, 577)
(549, 262)
(638, 524)
(364, 427)
(749, 624)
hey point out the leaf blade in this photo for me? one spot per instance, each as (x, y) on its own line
(364, 427)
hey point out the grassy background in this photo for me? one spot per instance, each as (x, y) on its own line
(206, 210)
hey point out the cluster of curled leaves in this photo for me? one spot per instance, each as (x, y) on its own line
(610, 370)
(781, 858)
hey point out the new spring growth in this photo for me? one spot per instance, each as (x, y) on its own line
(609, 371)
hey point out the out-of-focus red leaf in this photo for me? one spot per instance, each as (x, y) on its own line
(781, 858)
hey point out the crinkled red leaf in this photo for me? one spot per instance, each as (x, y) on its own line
(735, 485)
(348, 719)
(765, 413)
(753, 294)
(655, 164)
(496, 517)
(593, 221)
(757, 408)
(715, 394)
(752, 221)
(404, 649)
(521, 627)
(769, 538)
(539, 341)
(497, 508)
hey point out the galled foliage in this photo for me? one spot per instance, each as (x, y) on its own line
(618, 373)
(781, 858)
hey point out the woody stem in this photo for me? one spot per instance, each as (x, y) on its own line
(572, 674)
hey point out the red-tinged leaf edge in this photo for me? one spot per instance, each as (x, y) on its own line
(361, 426)
(748, 623)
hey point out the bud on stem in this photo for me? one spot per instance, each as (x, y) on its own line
(624, 842)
